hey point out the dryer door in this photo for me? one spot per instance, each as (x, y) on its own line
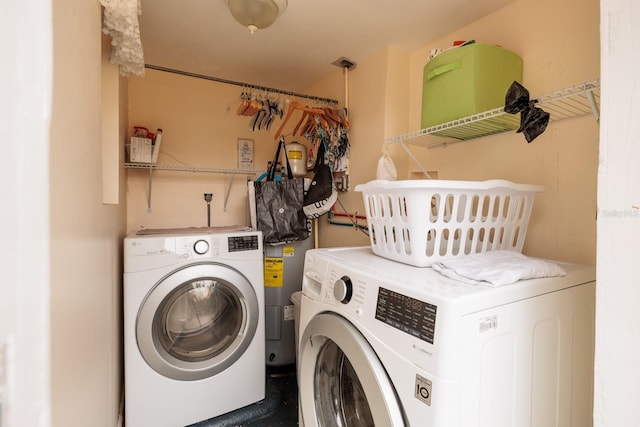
(342, 382)
(197, 321)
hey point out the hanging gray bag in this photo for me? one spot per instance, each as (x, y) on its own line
(279, 212)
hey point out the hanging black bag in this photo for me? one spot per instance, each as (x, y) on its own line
(279, 204)
(322, 193)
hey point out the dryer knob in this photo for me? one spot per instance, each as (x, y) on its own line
(343, 289)
(201, 247)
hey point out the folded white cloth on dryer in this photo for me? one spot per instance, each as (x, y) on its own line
(496, 268)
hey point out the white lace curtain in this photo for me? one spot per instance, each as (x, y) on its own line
(121, 23)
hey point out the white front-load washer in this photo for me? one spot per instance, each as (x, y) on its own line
(387, 344)
(193, 326)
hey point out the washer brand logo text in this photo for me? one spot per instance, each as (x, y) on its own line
(423, 390)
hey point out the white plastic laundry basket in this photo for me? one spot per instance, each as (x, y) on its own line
(419, 222)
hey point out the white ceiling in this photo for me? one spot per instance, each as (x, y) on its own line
(201, 36)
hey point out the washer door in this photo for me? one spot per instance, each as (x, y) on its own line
(197, 321)
(342, 382)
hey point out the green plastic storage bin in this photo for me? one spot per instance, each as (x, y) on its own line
(467, 80)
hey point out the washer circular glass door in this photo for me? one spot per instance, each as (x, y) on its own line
(197, 321)
(342, 382)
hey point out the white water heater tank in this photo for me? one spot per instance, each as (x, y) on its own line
(297, 154)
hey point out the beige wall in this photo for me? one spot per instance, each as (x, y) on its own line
(366, 88)
(200, 129)
(384, 96)
(559, 45)
(385, 103)
(86, 235)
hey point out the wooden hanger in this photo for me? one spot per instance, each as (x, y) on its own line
(293, 106)
(333, 114)
(303, 119)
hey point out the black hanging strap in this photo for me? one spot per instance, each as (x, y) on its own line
(274, 164)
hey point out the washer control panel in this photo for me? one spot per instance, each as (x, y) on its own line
(409, 315)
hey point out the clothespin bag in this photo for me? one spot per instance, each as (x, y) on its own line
(386, 168)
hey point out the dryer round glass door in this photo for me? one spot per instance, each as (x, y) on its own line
(197, 321)
(342, 382)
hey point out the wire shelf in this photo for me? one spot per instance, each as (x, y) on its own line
(562, 104)
(182, 168)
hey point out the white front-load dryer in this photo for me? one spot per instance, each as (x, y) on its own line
(193, 326)
(387, 344)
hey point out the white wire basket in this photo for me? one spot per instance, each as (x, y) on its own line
(420, 222)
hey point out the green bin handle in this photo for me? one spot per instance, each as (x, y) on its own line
(443, 69)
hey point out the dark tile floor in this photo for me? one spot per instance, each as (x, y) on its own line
(278, 409)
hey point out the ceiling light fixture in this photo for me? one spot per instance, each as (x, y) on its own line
(256, 14)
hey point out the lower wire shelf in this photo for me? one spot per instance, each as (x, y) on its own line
(182, 168)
